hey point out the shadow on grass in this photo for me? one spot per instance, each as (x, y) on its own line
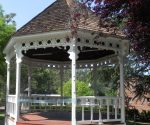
(2, 116)
(137, 123)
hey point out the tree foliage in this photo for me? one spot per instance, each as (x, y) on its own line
(82, 89)
(106, 81)
(7, 28)
(131, 16)
(45, 81)
(137, 75)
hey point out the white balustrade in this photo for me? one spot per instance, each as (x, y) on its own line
(10, 105)
(42, 102)
(107, 109)
(103, 105)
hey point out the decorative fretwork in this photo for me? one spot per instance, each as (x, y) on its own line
(66, 65)
(101, 44)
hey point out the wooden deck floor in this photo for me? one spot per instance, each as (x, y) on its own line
(37, 119)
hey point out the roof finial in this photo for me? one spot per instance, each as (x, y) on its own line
(70, 3)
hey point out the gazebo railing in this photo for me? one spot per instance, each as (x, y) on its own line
(106, 108)
(97, 108)
(10, 105)
(44, 102)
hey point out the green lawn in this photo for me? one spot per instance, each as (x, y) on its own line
(2, 116)
(137, 123)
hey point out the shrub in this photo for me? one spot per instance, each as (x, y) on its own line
(82, 89)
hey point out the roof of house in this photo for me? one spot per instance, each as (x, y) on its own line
(56, 17)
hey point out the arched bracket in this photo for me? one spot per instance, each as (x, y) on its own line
(7, 59)
(73, 51)
(19, 54)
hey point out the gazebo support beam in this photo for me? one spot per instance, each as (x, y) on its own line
(8, 81)
(18, 77)
(61, 80)
(8, 76)
(122, 89)
(94, 79)
(73, 51)
(29, 84)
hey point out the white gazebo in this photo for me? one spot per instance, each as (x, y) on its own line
(47, 40)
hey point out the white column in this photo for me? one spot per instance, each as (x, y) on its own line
(82, 112)
(8, 76)
(108, 113)
(94, 79)
(61, 80)
(122, 90)
(8, 83)
(116, 109)
(29, 85)
(29, 81)
(73, 51)
(18, 77)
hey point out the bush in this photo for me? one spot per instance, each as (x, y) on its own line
(134, 114)
(82, 89)
(145, 116)
(2, 116)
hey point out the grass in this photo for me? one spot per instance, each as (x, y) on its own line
(137, 123)
(2, 115)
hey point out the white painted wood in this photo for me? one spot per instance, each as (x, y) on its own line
(91, 114)
(91, 103)
(7, 88)
(97, 121)
(108, 114)
(122, 90)
(100, 117)
(82, 113)
(8, 77)
(29, 86)
(66, 65)
(34, 37)
(61, 79)
(53, 36)
(18, 77)
(94, 78)
(29, 80)
(10, 105)
(73, 51)
(115, 106)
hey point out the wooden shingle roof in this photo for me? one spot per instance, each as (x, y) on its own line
(53, 18)
(56, 17)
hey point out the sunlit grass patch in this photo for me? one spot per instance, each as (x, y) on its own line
(2, 116)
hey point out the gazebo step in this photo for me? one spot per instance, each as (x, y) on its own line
(108, 123)
(58, 122)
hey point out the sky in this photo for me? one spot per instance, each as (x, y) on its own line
(25, 10)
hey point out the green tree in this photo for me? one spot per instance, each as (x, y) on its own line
(137, 75)
(7, 28)
(106, 81)
(45, 81)
(130, 16)
(82, 89)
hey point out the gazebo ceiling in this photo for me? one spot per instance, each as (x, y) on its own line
(59, 54)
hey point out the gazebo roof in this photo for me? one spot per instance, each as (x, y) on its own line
(47, 36)
(56, 17)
